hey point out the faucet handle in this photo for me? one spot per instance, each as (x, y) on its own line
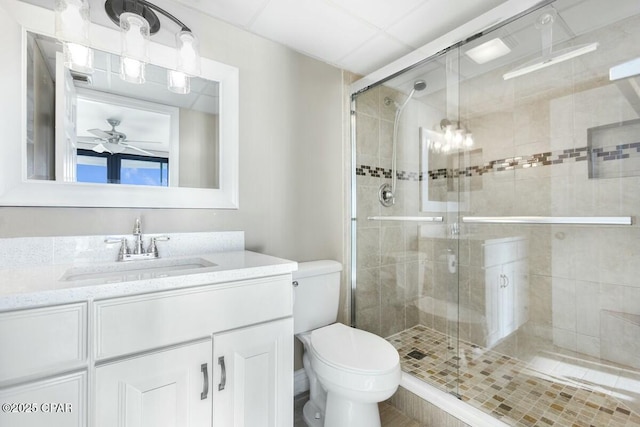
(124, 247)
(153, 248)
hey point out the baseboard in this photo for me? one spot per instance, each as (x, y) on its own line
(300, 382)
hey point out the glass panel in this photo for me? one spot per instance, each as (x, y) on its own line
(406, 270)
(553, 310)
(92, 169)
(142, 172)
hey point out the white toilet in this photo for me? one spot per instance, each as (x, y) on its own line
(349, 370)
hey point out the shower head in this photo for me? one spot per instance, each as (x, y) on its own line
(419, 85)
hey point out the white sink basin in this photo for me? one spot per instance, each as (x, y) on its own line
(136, 270)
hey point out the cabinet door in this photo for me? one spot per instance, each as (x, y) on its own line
(492, 276)
(56, 402)
(167, 388)
(253, 381)
(507, 300)
(521, 284)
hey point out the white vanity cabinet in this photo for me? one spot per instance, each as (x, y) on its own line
(43, 366)
(218, 355)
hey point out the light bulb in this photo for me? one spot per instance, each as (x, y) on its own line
(468, 140)
(132, 70)
(134, 30)
(78, 58)
(178, 82)
(187, 53)
(72, 20)
(448, 134)
(457, 139)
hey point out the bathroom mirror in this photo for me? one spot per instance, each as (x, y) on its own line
(180, 150)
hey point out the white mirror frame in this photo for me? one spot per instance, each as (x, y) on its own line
(16, 190)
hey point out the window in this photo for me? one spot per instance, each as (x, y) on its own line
(122, 169)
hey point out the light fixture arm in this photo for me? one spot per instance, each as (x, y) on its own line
(165, 13)
(115, 8)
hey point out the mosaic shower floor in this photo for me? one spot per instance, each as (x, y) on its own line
(506, 387)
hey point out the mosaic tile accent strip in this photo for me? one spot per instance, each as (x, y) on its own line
(500, 165)
(506, 387)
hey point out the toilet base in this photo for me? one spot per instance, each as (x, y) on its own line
(347, 413)
(312, 415)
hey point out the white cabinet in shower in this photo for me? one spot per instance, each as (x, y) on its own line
(506, 287)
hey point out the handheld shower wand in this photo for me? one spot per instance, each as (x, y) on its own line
(386, 193)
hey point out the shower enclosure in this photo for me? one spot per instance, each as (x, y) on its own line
(506, 270)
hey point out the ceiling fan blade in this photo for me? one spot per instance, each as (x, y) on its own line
(89, 139)
(114, 147)
(133, 147)
(100, 148)
(100, 133)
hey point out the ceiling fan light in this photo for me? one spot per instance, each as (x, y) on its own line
(187, 46)
(78, 58)
(72, 20)
(132, 70)
(178, 82)
(134, 36)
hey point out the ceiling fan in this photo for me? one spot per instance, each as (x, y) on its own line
(111, 141)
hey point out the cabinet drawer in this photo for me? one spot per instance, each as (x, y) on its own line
(135, 324)
(41, 340)
(56, 402)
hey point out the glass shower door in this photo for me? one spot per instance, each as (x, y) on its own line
(406, 254)
(554, 256)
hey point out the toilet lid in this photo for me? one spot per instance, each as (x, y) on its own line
(353, 349)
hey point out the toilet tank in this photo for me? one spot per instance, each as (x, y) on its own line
(317, 294)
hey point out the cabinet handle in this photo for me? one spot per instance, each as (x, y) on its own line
(506, 280)
(205, 375)
(223, 376)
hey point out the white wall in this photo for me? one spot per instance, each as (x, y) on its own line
(291, 190)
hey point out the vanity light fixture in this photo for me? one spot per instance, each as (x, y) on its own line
(72, 27)
(451, 137)
(138, 19)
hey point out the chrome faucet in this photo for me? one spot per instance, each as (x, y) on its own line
(139, 252)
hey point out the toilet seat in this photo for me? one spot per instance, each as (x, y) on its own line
(353, 350)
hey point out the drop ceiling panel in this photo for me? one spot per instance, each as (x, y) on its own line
(599, 12)
(237, 12)
(380, 13)
(314, 27)
(374, 54)
(436, 18)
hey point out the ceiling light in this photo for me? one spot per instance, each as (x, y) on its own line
(488, 51)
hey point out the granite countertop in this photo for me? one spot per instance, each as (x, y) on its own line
(35, 286)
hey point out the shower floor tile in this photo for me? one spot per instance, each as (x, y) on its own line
(508, 388)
